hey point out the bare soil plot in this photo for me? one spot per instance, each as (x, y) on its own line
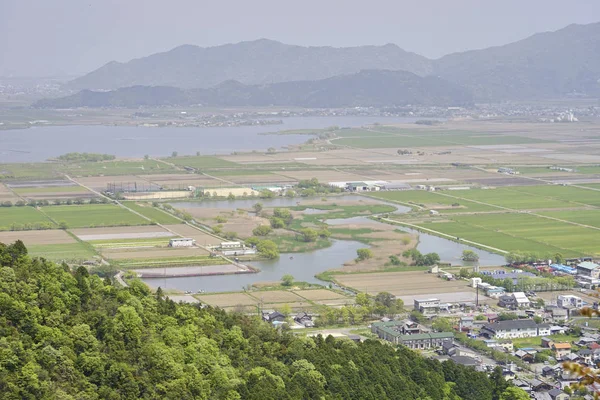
(242, 224)
(335, 302)
(248, 179)
(277, 296)
(414, 283)
(320, 294)
(119, 230)
(153, 253)
(323, 175)
(227, 299)
(56, 183)
(100, 182)
(54, 236)
(58, 195)
(183, 180)
(202, 239)
(294, 306)
(6, 194)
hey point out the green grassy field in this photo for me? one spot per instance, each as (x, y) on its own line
(28, 171)
(433, 200)
(53, 189)
(62, 252)
(564, 193)
(21, 215)
(584, 217)
(537, 341)
(131, 167)
(425, 140)
(509, 198)
(154, 214)
(490, 237)
(83, 216)
(201, 162)
(521, 232)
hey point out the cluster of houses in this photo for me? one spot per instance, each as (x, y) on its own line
(370, 186)
(301, 320)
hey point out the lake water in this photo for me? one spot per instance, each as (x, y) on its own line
(303, 266)
(41, 143)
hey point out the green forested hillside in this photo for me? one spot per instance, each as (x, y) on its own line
(71, 335)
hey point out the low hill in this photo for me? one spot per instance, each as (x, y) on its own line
(545, 65)
(366, 88)
(71, 335)
(254, 62)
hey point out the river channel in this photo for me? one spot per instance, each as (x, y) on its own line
(304, 266)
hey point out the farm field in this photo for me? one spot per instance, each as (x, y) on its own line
(118, 167)
(93, 215)
(100, 183)
(28, 171)
(22, 216)
(420, 140)
(432, 200)
(489, 237)
(6, 194)
(584, 217)
(49, 189)
(515, 199)
(564, 193)
(416, 284)
(46, 237)
(202, 238)
(200, 162)
(320, 294)
(121, 232)
(153, 253)
(276, 296)
(154, 214)
(70, 252)
(227, 299)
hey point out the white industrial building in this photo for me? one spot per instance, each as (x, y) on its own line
(569, 301)
(515, 329)
(427, 306)
(182, 242)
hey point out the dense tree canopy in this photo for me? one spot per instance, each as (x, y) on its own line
(71, 335)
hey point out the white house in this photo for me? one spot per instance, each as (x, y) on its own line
(521, 299)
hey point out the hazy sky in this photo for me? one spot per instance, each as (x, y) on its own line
(48, 37)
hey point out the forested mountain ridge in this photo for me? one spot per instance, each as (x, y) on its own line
(254, 62)
(374, 88)
(545, 65)
(71, 335)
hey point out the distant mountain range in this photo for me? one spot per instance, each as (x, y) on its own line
(545, 65)
(366, 88)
